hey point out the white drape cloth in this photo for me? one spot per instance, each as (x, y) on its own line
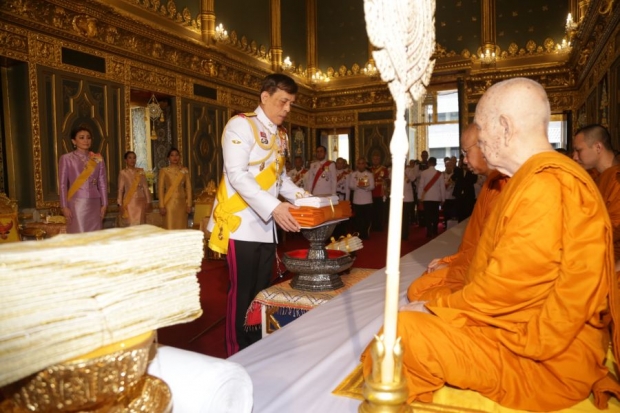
(202, 384)
(296, 368)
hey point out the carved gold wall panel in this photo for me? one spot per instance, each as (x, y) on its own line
(171, 59)
(203, 124)
(375, 139)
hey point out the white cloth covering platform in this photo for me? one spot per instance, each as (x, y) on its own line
(296, 368)
(202, 384)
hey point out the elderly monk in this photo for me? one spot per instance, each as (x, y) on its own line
(447, 274)
(592, 149)
(530, 328)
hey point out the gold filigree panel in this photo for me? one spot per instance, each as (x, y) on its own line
(153, 80)
(554, 81)
(353, 98)
(203, 124)
(375, 140)
(243, 103)
(335, 119)
(108, 30)
(13, 42)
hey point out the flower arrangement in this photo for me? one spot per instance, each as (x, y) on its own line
(150, 176)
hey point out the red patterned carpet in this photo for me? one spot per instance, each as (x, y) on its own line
(206, 334)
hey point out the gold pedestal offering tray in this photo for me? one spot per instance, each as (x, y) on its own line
(111, 379)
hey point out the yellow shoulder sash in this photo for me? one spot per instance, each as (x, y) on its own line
(86, 173)
(224, 213)
(173, 187)
(131, 191)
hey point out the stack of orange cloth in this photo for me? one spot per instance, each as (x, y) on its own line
(311, 217)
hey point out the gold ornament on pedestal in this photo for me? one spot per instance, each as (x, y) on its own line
(403, 32)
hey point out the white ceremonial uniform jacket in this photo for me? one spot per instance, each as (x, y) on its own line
(327, 180)
(244, 159)
(342, 184)
(437, 192)
(362, 195)
(298, 177)
(411, 174)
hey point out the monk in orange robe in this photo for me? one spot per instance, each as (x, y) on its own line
(447, 274)
(592, 149)
(530, 329)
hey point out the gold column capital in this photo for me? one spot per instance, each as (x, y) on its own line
(207, 20)
(311, 49)
(276, 35)
(488, 22)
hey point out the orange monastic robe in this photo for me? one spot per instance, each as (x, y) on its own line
(530, 328)
(448, 279)
(608, 183)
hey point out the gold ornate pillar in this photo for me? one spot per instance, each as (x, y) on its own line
(276, 35)
(583, 8)
(573, 9)
(207, 20)
(488, 29)
(311, 39)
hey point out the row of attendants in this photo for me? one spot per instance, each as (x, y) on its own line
(84, 192)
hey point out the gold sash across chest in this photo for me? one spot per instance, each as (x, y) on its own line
(174, 186)
(224, 213)
(132, 190)
(83, 177)
(224, 216)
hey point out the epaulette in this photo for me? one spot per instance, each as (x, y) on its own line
(247, 115)
(282, 128)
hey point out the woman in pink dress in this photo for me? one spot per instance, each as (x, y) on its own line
(134, 196)
(83, 184)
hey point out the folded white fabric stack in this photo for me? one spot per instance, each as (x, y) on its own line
(72, 294)
(346, 244)
(317, 201)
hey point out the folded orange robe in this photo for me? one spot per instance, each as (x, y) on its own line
(451, 278)
(530, 328)
(311, 217)
(608, 183)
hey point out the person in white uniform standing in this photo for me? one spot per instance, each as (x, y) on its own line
(247, 207)
(321, 179)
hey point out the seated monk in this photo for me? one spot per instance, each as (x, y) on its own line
(592, 149)
(530, 329)
(447, 274)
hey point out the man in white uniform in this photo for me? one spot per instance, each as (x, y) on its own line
(298, 173)
(247, 207)
(321, 178)
(432, 193)
(362, 182)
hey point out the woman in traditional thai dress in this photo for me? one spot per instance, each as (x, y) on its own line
(83, 184)
(134, 196)
(175, 192)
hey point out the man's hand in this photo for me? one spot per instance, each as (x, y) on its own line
(436, 264)
(415, 306)
(284, 219)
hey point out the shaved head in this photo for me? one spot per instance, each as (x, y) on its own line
(512, 118)
(592, 147)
